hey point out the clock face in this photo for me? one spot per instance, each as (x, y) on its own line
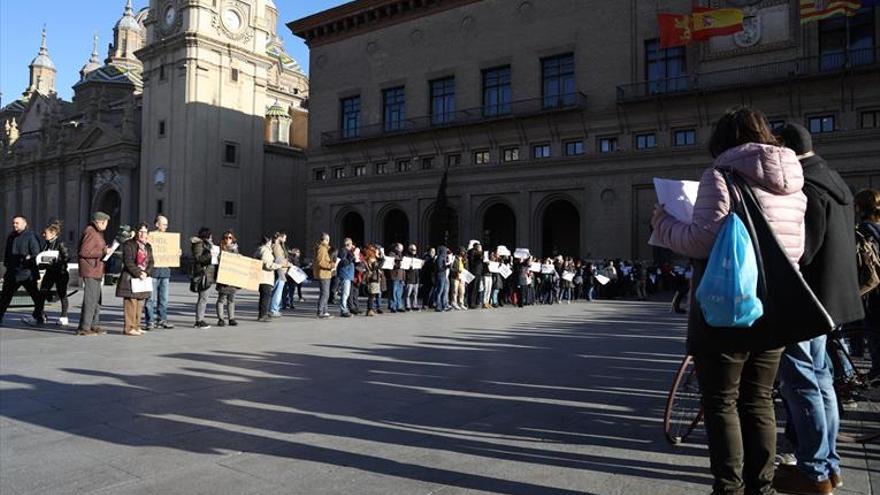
(232, 19)
(169, 16)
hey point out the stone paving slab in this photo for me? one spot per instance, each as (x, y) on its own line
(545, 400)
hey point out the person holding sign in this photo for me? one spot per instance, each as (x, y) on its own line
(373, 278)
(157, 305)
(226, 293)
(279, 250)
(202, 273)
(56, 274)
(134, 285)
(345, 274)
(459, 266)
(266, 256)
(441, 280)
(92, 251)
(411, 278)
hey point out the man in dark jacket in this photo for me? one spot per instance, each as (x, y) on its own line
(20, 259)
(829, 267)
(475, 266)
(441, 280)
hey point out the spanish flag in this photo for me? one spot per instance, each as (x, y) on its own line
(707, 23)
(815, 10)
(675, 30)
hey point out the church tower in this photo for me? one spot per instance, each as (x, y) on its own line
(93, 63)
(128, 37)
(206, 70)
(42, 72)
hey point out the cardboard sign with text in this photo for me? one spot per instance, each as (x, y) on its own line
(166, 249)
(239, 271)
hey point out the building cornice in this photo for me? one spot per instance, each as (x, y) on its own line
(362, 16)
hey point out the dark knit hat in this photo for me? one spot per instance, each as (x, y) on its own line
(797, 138)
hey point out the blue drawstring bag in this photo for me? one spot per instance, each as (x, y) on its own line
(728, 292)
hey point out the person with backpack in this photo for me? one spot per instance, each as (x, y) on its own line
(867, 203)
(805, 378)
(202, 272)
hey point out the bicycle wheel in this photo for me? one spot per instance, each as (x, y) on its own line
(858, 396)
(683, 411)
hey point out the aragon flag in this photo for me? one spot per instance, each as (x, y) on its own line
(675, 29)
(716, 22)
(815, 10)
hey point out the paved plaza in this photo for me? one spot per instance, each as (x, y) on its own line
(545, 400)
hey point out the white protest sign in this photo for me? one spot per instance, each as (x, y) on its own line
(535, 267)
(502, 251)
(602, 279)
(215, 255)
(522, 253)
(505, 270)
(297, 274)
(47, 257)
(388, 263)
(568, 276)
(547, 269)
(472, 242)
(678, 198)
(494, 267)
(113, 248)
(406, 263)
(417, 264)
(467, 277)
(140, 286)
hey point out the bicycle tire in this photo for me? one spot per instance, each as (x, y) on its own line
(858, 396)
(683, 410)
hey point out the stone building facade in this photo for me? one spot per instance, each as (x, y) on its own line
(552, 117)
(193, 114)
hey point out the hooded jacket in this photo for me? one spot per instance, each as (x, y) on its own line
(201, 262)
(829, 260)
(777, 180)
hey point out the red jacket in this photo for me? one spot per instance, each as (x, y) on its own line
(91, 252)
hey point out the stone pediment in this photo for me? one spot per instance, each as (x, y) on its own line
(97, 136)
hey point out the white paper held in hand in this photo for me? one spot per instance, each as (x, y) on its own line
(139, 285)
(297, 274)
(47, 257)
(678, 198)
(113, 248)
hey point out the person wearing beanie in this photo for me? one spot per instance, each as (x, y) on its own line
(828, 266)
(91, 252)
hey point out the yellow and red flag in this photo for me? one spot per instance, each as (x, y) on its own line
(707, 23)
(675, 30)
(815, 10)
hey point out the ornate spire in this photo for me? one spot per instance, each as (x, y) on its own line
(94, 57)
(43, 49)
(42, 59)
(93, 62)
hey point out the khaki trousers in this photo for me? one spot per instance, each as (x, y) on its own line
(132, 309)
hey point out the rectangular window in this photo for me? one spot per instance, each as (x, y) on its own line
(573, 148)
(496, 91)
(453, 160)
(360, 170)
(320, 174)
(871, 119)
(381, 168)
(684, 137)
(162, 72)
(404, 165)
(339, 173)
(230, 153)
(161, 128)
(481, 157)
(443, 100)
(350, 121)
(607, 144)
(665, 69)
(160, 207)
(510, 154)
(394, 101)
(646, 141)
(820, 124)
(834, 32)
(558, 76)
(427, 163)
(234, 75)
(229, 208)
(541, 151)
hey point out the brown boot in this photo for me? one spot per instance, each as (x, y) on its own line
(790, 479)
(370, 312)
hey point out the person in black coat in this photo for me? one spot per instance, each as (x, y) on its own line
(57, 276)
(476, 267)
(829, 268)
(137, 263)
(22, 248)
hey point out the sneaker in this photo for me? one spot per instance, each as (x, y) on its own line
(85, 333)
(165, 324)
(264, 319)
(30, 321)
(790, 479)
(325, 316)
(786, 459)
(63, 321)
(149, 327)
(370, 312)
(274, 315)
(221, 323)
(98, 331)
(202, 325)
(233, 323)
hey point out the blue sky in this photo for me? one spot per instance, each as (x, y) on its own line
(70, 25)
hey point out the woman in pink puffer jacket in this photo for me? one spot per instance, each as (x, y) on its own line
(736, 369)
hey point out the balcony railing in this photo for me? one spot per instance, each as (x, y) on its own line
(828, 63)
(486, 113)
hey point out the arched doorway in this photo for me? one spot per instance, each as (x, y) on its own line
(443, 227)
(561, 229)
(499, 226)
(352, 226)
(111, 204)
(395, 228)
